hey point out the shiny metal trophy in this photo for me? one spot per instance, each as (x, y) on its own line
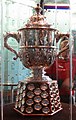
(38, 95)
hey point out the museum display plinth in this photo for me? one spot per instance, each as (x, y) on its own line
(10, 114)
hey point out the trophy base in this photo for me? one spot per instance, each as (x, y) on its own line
(38, 98)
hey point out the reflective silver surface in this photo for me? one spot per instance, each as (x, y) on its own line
(29, 110)
(37, 91)
(37, 106)
(30, 86)
(46, 110)
(37, 41)
(37, 99)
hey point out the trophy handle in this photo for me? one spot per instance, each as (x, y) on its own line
(13, 35)
(66, 47)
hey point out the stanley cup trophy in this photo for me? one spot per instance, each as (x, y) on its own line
(38, 95)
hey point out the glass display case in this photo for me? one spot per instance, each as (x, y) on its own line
(38, 66)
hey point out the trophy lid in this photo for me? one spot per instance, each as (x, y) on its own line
(37, 21)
